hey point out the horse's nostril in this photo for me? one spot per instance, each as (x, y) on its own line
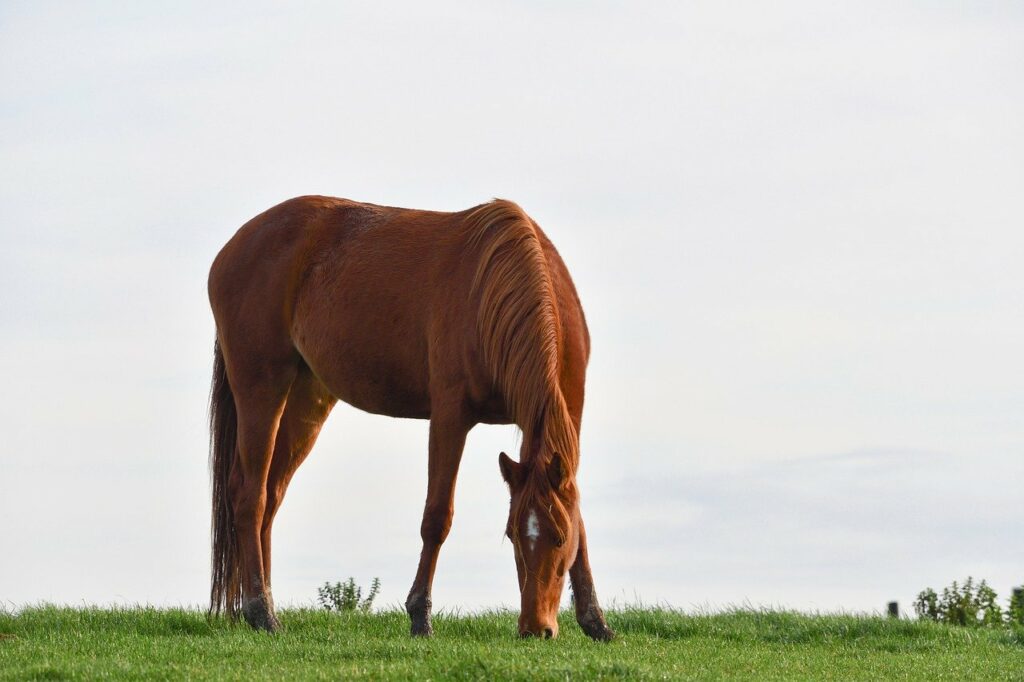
(548, 633)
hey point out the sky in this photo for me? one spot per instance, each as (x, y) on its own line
(796, 231)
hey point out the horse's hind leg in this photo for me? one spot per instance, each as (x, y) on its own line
(309, 403)
(261, 390)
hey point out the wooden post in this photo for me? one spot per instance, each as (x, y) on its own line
(894, 609)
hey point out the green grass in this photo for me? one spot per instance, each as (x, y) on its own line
(64, 643)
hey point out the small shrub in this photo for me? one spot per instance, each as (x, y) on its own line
(958, 604)
(986, 597)
(927, 604)
(1015, 613)
(967, 604)
(347, 596)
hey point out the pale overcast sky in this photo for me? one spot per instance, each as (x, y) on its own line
(797, 231)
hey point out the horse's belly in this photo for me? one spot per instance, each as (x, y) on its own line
(380, 394)
(372, 373)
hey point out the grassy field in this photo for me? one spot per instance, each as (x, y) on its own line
(64, 643)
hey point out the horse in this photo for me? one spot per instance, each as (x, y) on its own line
(460, 318)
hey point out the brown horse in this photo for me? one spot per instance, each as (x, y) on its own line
(459, 318)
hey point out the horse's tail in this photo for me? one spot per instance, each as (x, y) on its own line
(225, 587)
(519, 326)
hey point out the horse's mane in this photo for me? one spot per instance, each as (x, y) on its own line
(519, 332)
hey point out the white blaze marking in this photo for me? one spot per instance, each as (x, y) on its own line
(532, 529)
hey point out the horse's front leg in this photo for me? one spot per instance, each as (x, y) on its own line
(588, 611)
(447, 437)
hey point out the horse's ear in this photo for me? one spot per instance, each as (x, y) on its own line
(511, 471)
(555, 473)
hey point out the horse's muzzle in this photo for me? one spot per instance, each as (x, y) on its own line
(542, 633)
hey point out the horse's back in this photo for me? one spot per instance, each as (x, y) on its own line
(314, 245)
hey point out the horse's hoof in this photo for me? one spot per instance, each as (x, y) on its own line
(260, 615)
(421, 626)
(418, 608)
(598, 630)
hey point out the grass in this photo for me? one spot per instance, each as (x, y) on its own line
(63, 643)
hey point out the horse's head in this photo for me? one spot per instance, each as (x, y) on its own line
(544, 527)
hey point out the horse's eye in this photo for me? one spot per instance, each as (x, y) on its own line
(559, 542)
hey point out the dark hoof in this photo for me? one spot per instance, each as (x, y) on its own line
(418, 609)
(421, 626)
(598, 630)
(259, 614)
